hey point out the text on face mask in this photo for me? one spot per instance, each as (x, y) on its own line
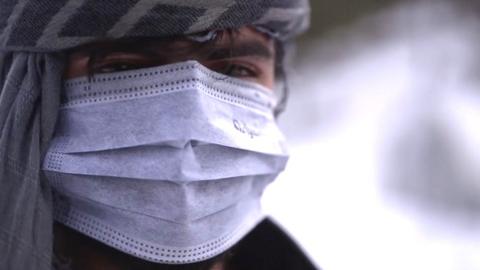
(245, 128)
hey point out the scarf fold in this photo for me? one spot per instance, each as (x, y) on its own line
(29, 101)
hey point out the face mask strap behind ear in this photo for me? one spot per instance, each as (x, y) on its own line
(282, 76)
(282, 104)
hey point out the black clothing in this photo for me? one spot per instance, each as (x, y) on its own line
(268, 247)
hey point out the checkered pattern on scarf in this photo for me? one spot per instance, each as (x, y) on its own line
(49, 25)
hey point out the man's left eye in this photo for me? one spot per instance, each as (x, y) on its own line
(240, 71)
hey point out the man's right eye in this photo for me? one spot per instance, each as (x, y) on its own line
(115, 67)
(119, 61)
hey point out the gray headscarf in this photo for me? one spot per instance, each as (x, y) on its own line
(33, 35)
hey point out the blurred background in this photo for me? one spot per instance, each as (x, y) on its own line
(384, 127)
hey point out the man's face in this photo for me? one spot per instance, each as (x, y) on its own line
(245, 54)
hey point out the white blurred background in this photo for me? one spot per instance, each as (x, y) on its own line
(384, 127)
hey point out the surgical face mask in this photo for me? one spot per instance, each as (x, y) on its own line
(167, 164)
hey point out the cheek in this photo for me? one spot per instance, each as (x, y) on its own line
(268, 82)
(77, 66)
(268, 77)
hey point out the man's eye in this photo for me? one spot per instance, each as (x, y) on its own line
(114, 67)
(240, 71)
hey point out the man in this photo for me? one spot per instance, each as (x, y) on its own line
(152, 125)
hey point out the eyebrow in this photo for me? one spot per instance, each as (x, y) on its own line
(240, 49)
(215, 52)
(106, 51)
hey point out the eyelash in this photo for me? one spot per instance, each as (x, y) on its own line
(250, 71)
(114, 66)
(229, 68)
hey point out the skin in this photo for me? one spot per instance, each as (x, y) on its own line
(247, 55)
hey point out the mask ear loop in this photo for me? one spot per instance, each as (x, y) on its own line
(280, 70)
(285, 91)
